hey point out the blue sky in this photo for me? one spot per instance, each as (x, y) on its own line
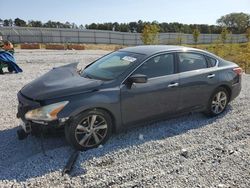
(88, 11)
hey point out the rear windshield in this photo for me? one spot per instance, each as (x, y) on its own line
(111, 66)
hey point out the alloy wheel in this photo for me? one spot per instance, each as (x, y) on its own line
(91, 131)
(219, 102)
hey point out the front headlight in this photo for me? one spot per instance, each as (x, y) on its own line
(46, 113)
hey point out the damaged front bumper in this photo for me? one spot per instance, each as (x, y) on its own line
(25, 126)
(31, 126)
(24, 131)
(37, 127)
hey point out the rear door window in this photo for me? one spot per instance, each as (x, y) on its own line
(191, 61)
(211, 61)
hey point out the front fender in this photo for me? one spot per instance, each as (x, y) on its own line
(107, 99)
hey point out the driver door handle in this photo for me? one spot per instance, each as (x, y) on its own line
(211, 76)
(173, 84)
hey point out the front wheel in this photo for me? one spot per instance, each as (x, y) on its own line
(218, 102)
(89, 130)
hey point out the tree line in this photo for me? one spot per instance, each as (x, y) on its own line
(36, 23)
(234, 22)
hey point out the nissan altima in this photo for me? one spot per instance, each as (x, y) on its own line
(125, 88)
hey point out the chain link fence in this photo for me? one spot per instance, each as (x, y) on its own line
(57, 35)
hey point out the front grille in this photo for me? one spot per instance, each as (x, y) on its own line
(24, 105)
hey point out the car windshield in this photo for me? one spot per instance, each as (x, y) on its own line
(111, 66)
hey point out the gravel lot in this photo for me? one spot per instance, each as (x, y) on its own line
(189, 151)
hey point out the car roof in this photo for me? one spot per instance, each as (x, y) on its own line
(153, 49)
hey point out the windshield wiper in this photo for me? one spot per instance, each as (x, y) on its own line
(87, 76)
(94, 77)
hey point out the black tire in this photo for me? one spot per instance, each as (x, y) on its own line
(89, 129)
(213, 102)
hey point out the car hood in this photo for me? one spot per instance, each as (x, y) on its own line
(59, 82)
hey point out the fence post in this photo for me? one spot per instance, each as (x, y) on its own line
(123, 42)
(19, 37)
(109, 37)
(78, 34)
(135, 39)
(94, 37)
(41, 36)
(60, 34)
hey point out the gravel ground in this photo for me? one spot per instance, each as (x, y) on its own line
(189, 151)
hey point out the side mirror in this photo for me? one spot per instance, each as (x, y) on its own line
(138, 78)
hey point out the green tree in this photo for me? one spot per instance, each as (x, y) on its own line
(179, 39)
(132, 27)
(237, 22)
(123, 27)
(115, 26)
(91, 26)
(19, 22)
(73, 26)
(50, 24)
(81, 27)
(140, 25)
(66, 25)
(196, 34)
(8, 22)
(150, 33)
(224, 34)
(248, 34)
(33, 23)
(5, 22)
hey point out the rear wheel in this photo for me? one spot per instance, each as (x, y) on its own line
(89, 130)
(218, 102)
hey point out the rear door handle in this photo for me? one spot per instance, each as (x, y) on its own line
(173, 85)
(211, 76)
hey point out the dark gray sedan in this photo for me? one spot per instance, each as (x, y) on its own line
(126, 88)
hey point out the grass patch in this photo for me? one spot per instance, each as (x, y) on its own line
(108, 47)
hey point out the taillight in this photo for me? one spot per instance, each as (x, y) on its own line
(238, 70)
